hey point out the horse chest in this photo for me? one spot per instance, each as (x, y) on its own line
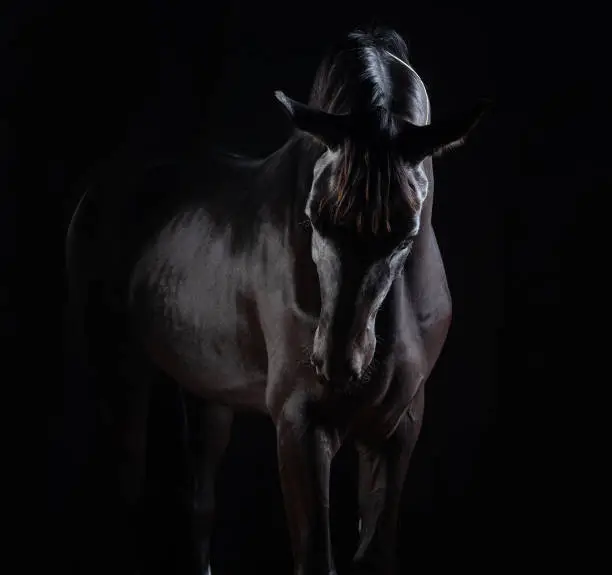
(396, 388)
(371, 411)
(392, 394)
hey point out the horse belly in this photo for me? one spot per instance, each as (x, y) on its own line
(214, 370)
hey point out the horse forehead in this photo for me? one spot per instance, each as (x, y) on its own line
(373, 154)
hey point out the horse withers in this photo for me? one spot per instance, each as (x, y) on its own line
(307, 286)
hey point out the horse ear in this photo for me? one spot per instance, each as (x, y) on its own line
(418, 142)
(330, 129)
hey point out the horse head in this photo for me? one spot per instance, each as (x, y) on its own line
(368, 189)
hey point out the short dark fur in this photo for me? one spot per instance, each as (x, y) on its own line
(202, 271)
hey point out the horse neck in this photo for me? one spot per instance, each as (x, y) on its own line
(289, 170)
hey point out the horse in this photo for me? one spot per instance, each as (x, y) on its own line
(307, 286)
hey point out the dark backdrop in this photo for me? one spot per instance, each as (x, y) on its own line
(497, 461)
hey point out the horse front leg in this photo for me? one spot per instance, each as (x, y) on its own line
(305, 452)
(382, 472)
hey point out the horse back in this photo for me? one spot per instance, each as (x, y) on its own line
(119, 214)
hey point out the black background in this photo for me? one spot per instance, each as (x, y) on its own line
(500, 461)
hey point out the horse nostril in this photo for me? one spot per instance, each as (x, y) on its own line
(352, 372)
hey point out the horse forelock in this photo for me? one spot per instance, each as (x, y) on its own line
(361, 192)
(368, 76)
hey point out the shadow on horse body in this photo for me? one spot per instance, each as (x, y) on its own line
(307, 286)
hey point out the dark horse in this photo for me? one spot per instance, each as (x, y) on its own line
(307, 286)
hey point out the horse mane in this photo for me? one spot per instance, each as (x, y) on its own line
(361, 76)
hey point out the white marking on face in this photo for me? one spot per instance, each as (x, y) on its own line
(378, 281)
